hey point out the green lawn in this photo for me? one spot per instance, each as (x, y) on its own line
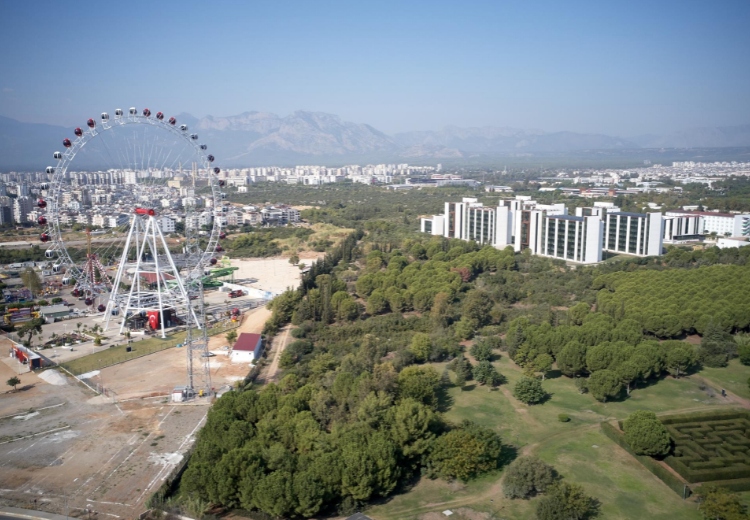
(118, 354)
(733, 378)
(577, 449)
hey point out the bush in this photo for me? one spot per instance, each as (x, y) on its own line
(529, 390)
(565, 501)
(298, 333)
(563, 417)
(646, 434)
(527, 477)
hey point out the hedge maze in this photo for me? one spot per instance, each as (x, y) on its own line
(710, 447)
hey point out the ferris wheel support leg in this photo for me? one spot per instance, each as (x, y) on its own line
(137, 278)
(112, 303)
(183, 291)
(154, 228)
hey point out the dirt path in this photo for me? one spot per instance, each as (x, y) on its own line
(280, 343)
(731, 396)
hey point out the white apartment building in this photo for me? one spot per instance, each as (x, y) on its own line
(21, 208)
(723, 224)
(681, 226)
(571, 238)
(637, 234)
(166, 224)
(118, 220)
(548, 230)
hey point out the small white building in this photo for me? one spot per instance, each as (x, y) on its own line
(247, 349)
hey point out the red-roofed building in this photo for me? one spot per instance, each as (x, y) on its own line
(150, 278)
(247, 348)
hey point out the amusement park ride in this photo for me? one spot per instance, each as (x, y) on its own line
(151, 285)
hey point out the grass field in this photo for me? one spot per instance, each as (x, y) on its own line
(733, 378)
(322, 232)
(119, 354)
(577, 449)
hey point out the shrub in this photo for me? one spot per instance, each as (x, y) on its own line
(646, 434)
(565, 501)
(563, 417)
(298, 333)
(526, 477)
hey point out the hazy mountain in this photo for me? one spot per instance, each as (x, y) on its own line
(493, 140)
(28, 146)
(261, 138)
(717, 137)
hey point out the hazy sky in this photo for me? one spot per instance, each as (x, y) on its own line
(621, 68)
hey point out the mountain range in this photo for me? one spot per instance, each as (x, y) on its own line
(262, 138)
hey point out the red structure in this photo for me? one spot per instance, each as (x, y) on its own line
(153, 319)
(145, 211)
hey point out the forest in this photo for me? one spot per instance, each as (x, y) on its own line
(359, 412)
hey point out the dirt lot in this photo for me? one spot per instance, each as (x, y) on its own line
(62, 443)
(60, 446)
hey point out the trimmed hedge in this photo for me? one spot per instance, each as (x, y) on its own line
(737, 485)
(663, 474)
(720, 467)
(717, 415)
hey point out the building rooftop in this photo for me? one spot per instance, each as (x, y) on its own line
(247, 342)
(628, 214)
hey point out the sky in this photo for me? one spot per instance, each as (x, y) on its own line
(621, 68)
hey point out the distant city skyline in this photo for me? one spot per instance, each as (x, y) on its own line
(614, 68)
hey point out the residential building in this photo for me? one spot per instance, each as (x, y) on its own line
(637, 234)
(22, 206)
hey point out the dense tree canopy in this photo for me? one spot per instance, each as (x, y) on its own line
(645, 433)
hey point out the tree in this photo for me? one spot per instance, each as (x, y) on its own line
(717, 503)
(14, 382)
(420, 346)
(477, 306)
(716, 346)
(462, 368)
(599, 357)
(485, 374)
(527, 477)
(646, 434)
(481, 350)
(466, 452)
(529, 390)
(419, 383)
(376, 303)
(543, 364)
(604, 384)
(571, 360)
(439, 311)
(31, 281)
(680, 357)
(30, 328)
(578, 313)
(627, 372)
(743, 346)
(565, 502)
(231, 336)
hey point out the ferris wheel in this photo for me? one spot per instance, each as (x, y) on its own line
(132, 214)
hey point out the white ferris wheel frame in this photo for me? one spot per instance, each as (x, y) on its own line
(56, 243)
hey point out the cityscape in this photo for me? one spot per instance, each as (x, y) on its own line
(375, 260)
